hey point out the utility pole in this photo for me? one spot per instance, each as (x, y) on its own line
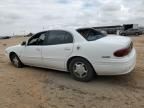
(13, 34)
(43, 28)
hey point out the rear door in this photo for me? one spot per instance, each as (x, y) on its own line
(57, 48)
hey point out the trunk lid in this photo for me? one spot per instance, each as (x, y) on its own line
(116, 40)
(113, 43)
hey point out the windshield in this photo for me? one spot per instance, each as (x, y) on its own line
(91, 34)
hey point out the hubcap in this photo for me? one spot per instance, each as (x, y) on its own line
(15, 61)
(80, 70)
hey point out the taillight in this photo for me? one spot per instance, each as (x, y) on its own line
(123, 52)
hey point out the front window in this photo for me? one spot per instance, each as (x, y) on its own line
(37, 39)
(91, 34)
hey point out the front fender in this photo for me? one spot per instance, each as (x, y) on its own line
(16, 49)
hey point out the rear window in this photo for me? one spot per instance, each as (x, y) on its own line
(91, 34)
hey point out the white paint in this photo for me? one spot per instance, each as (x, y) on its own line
(56, 56)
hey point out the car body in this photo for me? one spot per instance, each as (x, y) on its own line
(79, 51)
(131, 32)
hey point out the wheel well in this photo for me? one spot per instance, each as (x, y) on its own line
(70, 59)
(12, 53)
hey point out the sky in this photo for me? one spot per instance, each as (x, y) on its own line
(24, 16)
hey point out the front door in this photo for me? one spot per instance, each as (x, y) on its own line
(31, 53)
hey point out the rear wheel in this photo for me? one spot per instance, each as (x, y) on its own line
(81, 70)
(16, 61)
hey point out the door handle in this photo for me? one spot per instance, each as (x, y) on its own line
(67, 49)
(38, 49)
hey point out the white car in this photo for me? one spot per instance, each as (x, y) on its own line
(83, 52)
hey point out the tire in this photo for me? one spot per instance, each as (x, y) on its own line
(81, 70)
(16, 61)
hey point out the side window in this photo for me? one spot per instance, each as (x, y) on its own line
(41, 39)
(68, 38)
(38, 39)
(58, 37)
(33, 41)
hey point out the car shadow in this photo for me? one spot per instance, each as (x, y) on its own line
(60, 77)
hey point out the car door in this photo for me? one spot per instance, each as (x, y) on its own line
(58, 47)
(31, 53)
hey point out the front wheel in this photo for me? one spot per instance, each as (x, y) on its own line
(81, 70)
(16, 61)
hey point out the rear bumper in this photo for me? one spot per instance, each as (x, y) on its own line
(117, 67)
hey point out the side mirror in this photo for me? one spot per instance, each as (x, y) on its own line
(23, 43)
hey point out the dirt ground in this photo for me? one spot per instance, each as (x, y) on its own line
(31, 87)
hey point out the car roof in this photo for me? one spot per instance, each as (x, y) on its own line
(69, 29)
